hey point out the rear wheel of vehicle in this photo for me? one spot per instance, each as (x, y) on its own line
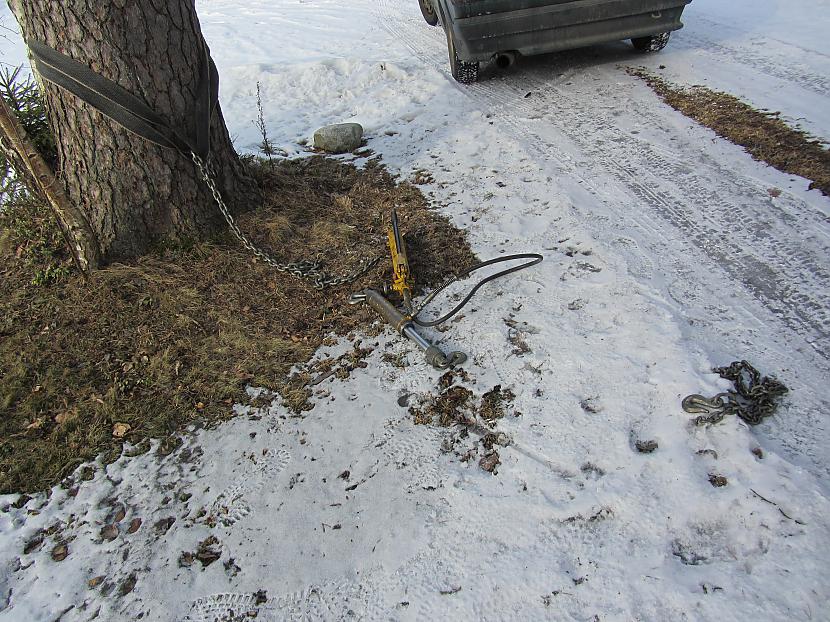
(652, 43)
(428, 11)
(463, 71)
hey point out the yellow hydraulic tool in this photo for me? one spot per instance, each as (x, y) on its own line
(402, 281)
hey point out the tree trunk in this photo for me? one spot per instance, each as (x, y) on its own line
(132, 192)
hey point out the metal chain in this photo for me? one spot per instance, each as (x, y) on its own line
(305, 269)
(753, 399)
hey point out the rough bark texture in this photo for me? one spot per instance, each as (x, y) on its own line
(133, 192)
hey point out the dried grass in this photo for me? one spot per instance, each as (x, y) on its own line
(763, 134)
(174, 338)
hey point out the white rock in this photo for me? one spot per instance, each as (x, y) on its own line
(339, 138)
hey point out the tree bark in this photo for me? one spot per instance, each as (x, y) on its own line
(133, 193)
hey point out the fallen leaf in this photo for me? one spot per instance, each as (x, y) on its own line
(33, 544)
(163, 525)
(127, 585)
(646, 447)
(120, 513)
(209, 551)
(109, 532)
(60, 552)
(490, 461)
(718, 481)
(134, 525)
(95, 581)
(119, 430)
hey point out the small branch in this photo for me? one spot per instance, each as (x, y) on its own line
(783, 513)
(72, 222)
(763, 498)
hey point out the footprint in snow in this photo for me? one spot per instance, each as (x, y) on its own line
(231, 505)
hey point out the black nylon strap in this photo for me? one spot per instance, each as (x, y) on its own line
(117, 103)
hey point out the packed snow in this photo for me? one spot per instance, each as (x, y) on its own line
(666, 254)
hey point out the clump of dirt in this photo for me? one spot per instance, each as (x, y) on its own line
(718, 481)
(493, 404)
(451, 406)
(763, 134)
(450, 378)
(603, 513)
(455, 404)
(175, 337)
(490, 461)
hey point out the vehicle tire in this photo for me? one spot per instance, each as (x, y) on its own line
(463, 71)
(428, 11)
(652, 43)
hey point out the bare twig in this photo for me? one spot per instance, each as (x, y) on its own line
(783, 513)
(266, 146)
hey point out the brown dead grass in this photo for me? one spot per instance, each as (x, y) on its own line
(174, 338)
(763, 134)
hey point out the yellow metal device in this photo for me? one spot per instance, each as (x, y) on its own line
(402, 281)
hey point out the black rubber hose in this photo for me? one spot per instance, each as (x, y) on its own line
(534, 257)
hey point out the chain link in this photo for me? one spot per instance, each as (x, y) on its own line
(305, 269)
(753, 399)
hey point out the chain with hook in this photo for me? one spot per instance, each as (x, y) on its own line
(305, 269)
(753, 399)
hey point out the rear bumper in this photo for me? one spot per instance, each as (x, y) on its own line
(482, 28)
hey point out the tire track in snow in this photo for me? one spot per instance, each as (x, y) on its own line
(716, 231)
(789, 68)
(718, 212)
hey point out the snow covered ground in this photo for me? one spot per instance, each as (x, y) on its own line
(665, 256)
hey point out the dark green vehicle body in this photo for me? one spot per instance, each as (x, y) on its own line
(481, 29)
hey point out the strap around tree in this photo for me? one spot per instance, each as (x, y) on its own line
(130, 112)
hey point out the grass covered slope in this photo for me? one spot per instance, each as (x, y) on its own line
(176, 337)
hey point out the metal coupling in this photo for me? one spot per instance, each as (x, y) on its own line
(406, 327)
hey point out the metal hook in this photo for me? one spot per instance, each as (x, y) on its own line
(695, 404)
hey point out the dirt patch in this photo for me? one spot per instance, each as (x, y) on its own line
(455, 404)
(763, 134)
(493, 404)
(174, 338)
(452, 405)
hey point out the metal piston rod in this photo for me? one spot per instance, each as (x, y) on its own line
(406, 327)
